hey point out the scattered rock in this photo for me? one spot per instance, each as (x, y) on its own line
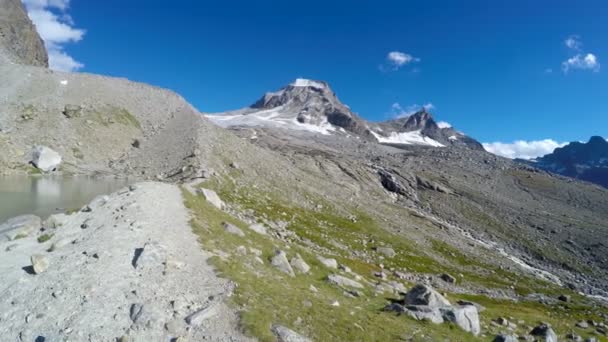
(60, 243)
(299, 264)
(329, 263)
(40, 263)
(20, 226)
(212, 197)
(45, 159)
(284, 334)
(582, 324)
(564, 298)
(425, 295)
(544, 331)
(343, 281)
(279, 260)
(232, 229)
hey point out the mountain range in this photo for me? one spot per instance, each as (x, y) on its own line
(585, 161)
(309, 105)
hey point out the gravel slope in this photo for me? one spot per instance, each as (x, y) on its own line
(135, 269)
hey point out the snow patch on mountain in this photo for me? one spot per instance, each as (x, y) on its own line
(302, 82)
(269, 118)
(407, 138)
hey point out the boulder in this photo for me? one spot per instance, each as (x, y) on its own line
(20, 226)
(72, 111)
(232, 229)
(545, 332)
(465, 317)
(45, 159)
(329, 263)
(339, 280)
(299, 264)
(284, 334)
(40, 263)
(201, 315)
(386, 251)
(425, 295)
(279, 261)
(424, 313)
(448, 278)
(152, 256)
(212, 197)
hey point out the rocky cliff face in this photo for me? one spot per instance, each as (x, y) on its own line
(586, 161)
(19, 41)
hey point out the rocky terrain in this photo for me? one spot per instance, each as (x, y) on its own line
(585, 161)
(308, 229)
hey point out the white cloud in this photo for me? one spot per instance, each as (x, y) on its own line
(523, 149)
(580, 61)
(397, 59)
(56, 28)
(398, 111)
(443, 124)
(574, 42)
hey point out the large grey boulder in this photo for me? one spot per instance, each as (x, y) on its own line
(284, 334)
(425, 295)
(424, 313)
(212, 197)
(466, 317)
(339, 280)
(20, 226)
(45, 159)
(279, 261)
(232, 229)
(544, 332)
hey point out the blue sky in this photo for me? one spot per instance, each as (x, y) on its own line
(498, 70)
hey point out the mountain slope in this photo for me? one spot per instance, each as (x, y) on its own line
(311, 106)
(585, 161)
(19, 41)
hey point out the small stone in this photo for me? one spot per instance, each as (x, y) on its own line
(564, 298)
(258, 228)
(339, 280)
(284, 334)
(386, 251)
(232, 229)
(299, 264)
(241, 250)
(40, 263)
(582, 325)
(329, 263)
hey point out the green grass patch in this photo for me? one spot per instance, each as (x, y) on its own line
(44, 238)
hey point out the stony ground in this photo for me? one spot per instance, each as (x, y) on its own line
(127, 265)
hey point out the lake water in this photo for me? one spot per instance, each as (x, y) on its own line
(46, 195)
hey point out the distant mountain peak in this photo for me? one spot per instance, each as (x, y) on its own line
(303, 82)
(597, 140)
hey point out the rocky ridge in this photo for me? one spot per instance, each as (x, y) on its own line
(19, 41)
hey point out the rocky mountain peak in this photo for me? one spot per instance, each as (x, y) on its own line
(597, 141)
(19, 40)
(420, 120)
